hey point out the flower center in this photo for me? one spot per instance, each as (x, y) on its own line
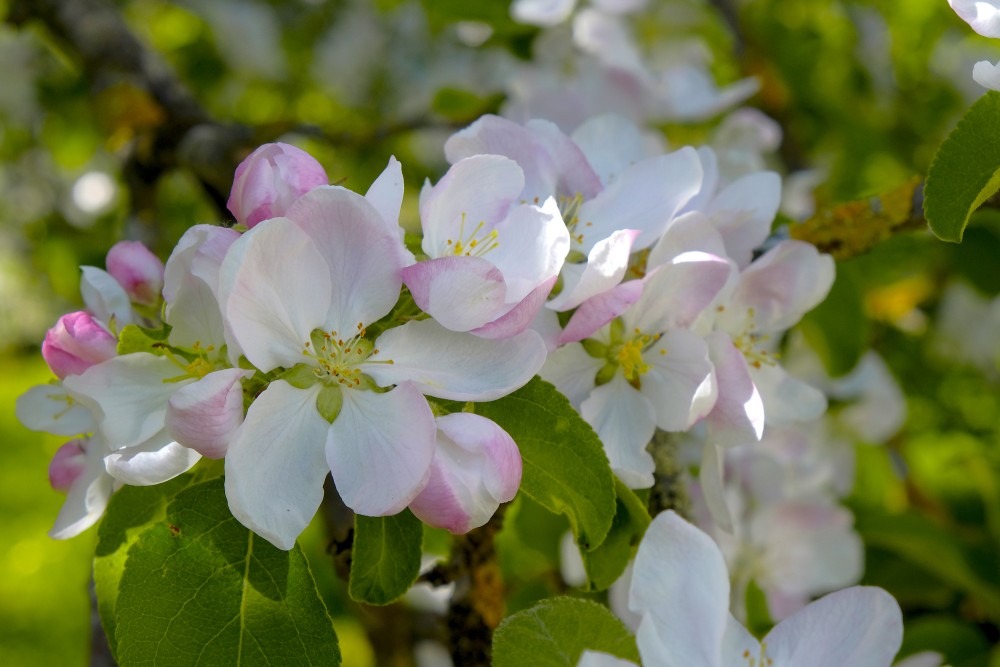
(760, 660)
(624, 353)
(336, 359)
(476, 244)
(748, 340)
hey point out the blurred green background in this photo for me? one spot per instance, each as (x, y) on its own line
(864, 91)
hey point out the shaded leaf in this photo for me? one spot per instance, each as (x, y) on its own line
(606, 563)
(385, 558)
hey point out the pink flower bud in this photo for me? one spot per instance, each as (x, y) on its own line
(270, 179)
(204, 415)
(136, 269)
(67, 465)
(476, 467)
(76, 343)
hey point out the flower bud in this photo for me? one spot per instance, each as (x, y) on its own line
(76, 343)
(136, 269)
(270, 179)
(67, 465)
(476, 467)
(204, 415)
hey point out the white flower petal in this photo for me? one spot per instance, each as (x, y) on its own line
(275, 465)
(986, 74)
(738, 415)
(380, 448)
(680, 384)
(860, 626)
(572, 371)
(152, 462)
(542, 13)
(681, 587)
(275, 291)
(532, 245)
(692, 231)
(51, 409)
(786, 399)
(105, 297)
(605, 267)
(461, 293)
(128, 395)
(625, 421)
(452, 365)
(205, 415)
(87, 497)
(743, 212)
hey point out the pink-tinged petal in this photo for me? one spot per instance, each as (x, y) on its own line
(461, 293)
(780, 287)
(744, 211)
(625, 422)
(476, 467)
(676, 294)
(680, 383)
(546, 324)
(275, 465)
(692, 231)
(105, 298)
(67, 464)
(606, 266)
(646, 197)
(531, 247)
(380, 449)
(88, 495)
(572, 371)
(710, 179)
(275, 291)
(520, 317)
(478, 189)
(152, 462)
(711, 476)
(598, 659)
(77, 342)
(680, 586)
(860, 626)
(191, 286)
(456, 366)
(205, 415)
(598, 310)
(552, 163)
(270, 179)
(128, 395)
(363, 258)
(136, 269)
(786, 399)
(49, 408)
(738, 415)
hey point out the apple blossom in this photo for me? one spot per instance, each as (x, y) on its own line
(345, 404)
(476, 467)
(270, 179)
(982, 15)
(77, 342)
(137, 270)
(78, 469)
(680, 588)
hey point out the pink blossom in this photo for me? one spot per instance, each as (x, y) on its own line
(138, 270)
(76, 343)
(270, 179)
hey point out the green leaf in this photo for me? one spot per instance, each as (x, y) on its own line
(130, 511)
(564, 466)
(385, 558)
(607, 562)
(200, 589)
(556, 632)
(838, 327)
(133, 338)
(965, 171)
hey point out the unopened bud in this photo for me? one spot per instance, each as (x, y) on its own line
(138, 270)
(270, 179)
(76, 343)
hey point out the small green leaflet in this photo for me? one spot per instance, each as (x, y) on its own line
(556, 632)
(564, 466)
(385, 558)
(607, 562)
(965, 171)
(200, 589)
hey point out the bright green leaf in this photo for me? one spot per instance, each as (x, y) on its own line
(385, 558)
(607, 562)
(965, 171)
(564, 465)
(556, 632)
(131, 510)
(134, 338)
(200, 589)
